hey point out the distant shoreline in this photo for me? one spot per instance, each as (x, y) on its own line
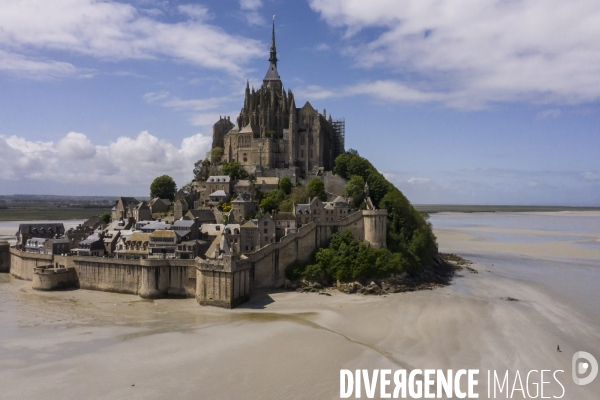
(436, 208)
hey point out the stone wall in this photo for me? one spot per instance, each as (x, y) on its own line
(54, 279)
(146, 278)
(22, 264)
(269, 263)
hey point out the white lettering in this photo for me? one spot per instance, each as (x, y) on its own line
(357, 388)
(472, 382)
(400, 384)
(556, 379)
(370, 386)
(497, 382)
(517, 376)
(384, 383)
(459, 394)
(444, 383)
(542, 383)
(346, 390)
(535, 384)
(428, 382)
(411, 384)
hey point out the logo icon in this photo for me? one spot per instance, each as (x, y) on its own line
(581, 367)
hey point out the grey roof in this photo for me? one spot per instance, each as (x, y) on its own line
(55, 228)
(219, 178)
(218, 193)
(243, 197)
(235, 129)
(182, 233)
(247, 129)
(91, 239)
(155, 226)
(63, 240)
(272, 74)
(339, 199)
(182, 223)
(302, 208)
(203, 215)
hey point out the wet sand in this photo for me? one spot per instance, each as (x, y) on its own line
(84, 344)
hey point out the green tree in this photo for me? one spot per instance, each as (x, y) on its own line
(215, 154)
(272, 200)
(355, 189)
(232, 169)
(105, 218)
(202, 170)
(316, 188)
(163, 187)
(285, 185)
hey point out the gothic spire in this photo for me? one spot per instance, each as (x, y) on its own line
(273, 57)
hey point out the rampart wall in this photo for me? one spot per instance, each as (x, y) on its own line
(22, 264)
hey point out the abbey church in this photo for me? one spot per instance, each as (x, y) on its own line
(271, 133)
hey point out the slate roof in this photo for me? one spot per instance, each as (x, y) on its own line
(218, 193)
(41, 228)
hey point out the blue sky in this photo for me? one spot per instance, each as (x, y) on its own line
(470, 101)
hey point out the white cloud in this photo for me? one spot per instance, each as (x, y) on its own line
(250, 11)
(323, 47)
(546, 114)
(110, 30)
(39, 69)
(416, 180)
(130, 162)
(475, 52)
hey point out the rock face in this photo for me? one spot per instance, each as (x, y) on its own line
(436, 275)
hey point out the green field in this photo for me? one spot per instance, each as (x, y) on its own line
(48, 213)
(435, 208)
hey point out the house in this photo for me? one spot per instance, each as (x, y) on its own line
(218, 182)
(57, 246)
(231, 232)
(35, 245)
(203, 216)
(186, 229)
(337, 209)
(110, 241)
(124, 207)
(191, 249)
(92, 246)
(180, 208)
(313, 211)
(159, 205)
(163, 244)
(243, 206)
(142, 212)
(49, 230)
(217, 196)
(266, 230)
(285, 223)
(136, 246)
(267, 184)
(77, 234)
(154, 226)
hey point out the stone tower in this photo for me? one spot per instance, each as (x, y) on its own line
(375, 222)
(223, 126)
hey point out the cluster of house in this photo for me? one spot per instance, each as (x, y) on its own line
(155, 230)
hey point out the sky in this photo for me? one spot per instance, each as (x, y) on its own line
(456, 102)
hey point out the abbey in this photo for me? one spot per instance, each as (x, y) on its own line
(272, 133)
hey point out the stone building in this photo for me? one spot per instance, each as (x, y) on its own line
(142, 212)
(124, 208)
(242, 206)
(159, 205)
(180, 208)
(271, 132)
(48, 231)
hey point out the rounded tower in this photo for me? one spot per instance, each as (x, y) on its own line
(375, 226)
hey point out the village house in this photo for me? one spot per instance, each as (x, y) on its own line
(92, 246)
(180, 208)
(49, 230)
(159, 206)
(142, 212)
(163, 244)
(243, 206)
(285, 223)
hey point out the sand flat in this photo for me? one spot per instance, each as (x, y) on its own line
(289, 345)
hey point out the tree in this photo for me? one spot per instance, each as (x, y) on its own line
(272, 200)
(216, 154)
(234, 170)
(285, 185)
(105, 218)
(202, 170)
(163, 187)
(316, 188)
(356, 190)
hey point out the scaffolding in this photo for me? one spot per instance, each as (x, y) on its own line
(339, 136)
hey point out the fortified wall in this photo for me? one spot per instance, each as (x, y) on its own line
(147, 278)
(267, 265)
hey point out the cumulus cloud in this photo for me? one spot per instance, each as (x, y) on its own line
(130, 162)
(473, 53)
(111, 30)
(250, 10)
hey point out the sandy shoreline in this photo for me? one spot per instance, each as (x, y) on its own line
(83, 344)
